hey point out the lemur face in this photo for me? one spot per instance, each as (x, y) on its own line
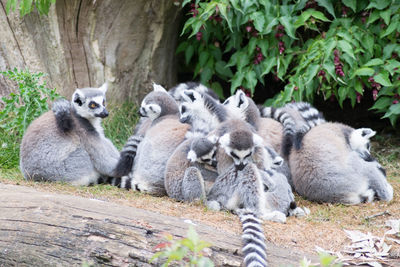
(89, 103)
(203, 150)
(240, 146)
(152, 111)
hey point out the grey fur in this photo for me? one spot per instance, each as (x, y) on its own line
(154, 107)
(242, 107)
(297, 119)
(185, 177)
(327, 169)
(68, 144)
(202, 112)
(176, 91)
(160, 140)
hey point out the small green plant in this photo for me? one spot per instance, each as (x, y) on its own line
(19, 109)
(185, 252)
(26, 6)
(325, 260)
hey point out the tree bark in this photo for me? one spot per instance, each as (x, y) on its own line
(45, 229)
(82, 43)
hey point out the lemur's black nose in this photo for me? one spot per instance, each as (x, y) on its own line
(240, 166)
(184, 119)
(103, 114)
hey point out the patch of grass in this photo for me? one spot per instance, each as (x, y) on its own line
(9, 150)
(120, 123)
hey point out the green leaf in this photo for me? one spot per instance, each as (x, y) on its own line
(328, 6)
(271, 25)
(251, 80)
(358, 87)
(363, 72)
(373, 16)
(346, 47)
(236, 81)
(185, 2)
(391, 28)
(188, 54)
(383, 78)
(222, 69)
(379, 4)
(222, 10)
(302, 18)
(205, 75)
(374, 62)
(203, 57)
(385, 15)
(287, 23)
(392, 65)
(267, 65)
(342, 95)
(217, 88)
(258, 20)
(311, 72)
(11, 5)
(242, 60)
(382, 103)
(318, 15)
(350, 3)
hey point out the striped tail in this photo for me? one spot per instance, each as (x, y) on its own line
(127, 156)
(62, 111)
(123, 182)
(254, 247)
(290, 135)
(310, 114)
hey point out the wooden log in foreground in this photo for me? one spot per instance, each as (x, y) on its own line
(45, 229)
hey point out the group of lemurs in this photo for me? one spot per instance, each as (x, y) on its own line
(189, 146)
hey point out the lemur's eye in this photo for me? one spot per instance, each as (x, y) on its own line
(233, 154)
(93, 105)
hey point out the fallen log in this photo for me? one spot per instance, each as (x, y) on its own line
(46, 229)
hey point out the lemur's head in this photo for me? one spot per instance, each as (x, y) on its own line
(359, 140)
(197, 106)
(89, 103)
(158, 103)
(237, 104)
(204, 150)
(240, 146)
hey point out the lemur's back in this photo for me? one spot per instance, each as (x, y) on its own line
(45, 151)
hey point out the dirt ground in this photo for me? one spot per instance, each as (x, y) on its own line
(323, 227)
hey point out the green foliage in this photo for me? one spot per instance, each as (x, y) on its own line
(119, 125)
(337, 49)
(185, 252)
(26, 6)
(19, 110)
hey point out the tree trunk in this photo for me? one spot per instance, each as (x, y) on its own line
(82, 43)
(45, 229)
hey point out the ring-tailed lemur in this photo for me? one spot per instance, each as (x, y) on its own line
(241, 106)
(334, 165)
(191, 166)
(297, 119)
(238, 186)
(253, 239)
(68, 143)
(154, 105)
(165, 134)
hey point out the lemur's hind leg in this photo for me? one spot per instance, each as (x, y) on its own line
(193, 185)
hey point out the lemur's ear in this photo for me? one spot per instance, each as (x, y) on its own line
(242, 101)
(192, 156)
(366, 132)
(190, 95)
(104, 88)
(224, 140)
(258, 140)
(78, 97)
(159, 88)
(213, 138)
